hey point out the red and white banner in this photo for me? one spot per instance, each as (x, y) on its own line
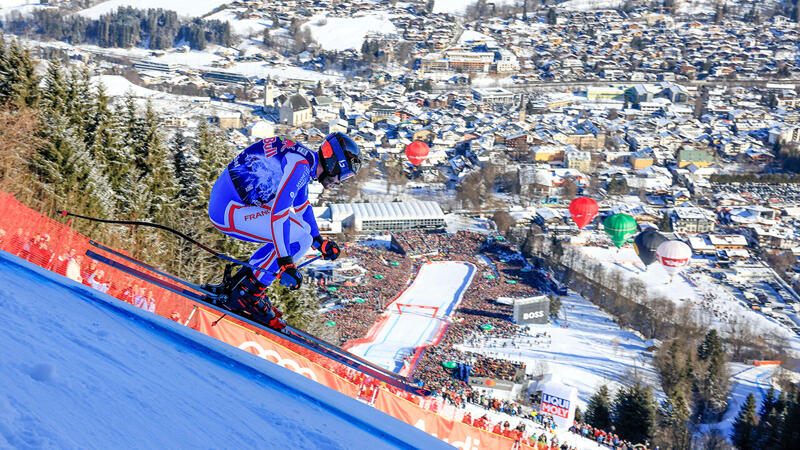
(457, 434)
(241, 337)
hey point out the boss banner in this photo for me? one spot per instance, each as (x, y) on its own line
(532, 310)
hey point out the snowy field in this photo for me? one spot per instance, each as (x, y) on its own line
(585, 349)
(20, 6)
(191, 8)
(711, 302)
(117, 86)
(459, 6)
(90, 371)
(440, 285)
(586, 5)
(342, 33)
(242, 27)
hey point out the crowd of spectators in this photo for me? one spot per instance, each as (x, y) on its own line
(478, 316)
(602, 437)
(36, 248)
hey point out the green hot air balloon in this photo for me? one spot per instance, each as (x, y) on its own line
(619, 228)
(646, 243)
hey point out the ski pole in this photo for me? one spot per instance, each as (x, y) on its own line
(65, 213)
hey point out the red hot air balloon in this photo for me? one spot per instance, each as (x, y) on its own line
(583, 210)
(417, 152)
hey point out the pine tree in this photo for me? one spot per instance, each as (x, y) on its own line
(665, 224)
(711, 387)
(711, 346)
(187, 170)
(771, 418)
(790, 428)
(54, 93)
(19, 85)
(121, 170)
(634, 413)
(674, 413)
(213, 154)
(743, 434)
(598, 412)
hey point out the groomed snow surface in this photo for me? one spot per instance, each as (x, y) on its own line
(83, 370)
(440, 285)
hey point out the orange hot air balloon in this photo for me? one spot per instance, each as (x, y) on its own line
(417, 152)
(583, 210)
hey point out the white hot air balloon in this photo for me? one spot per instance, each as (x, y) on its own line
(674, 256)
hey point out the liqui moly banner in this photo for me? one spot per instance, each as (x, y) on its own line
(555, 406)
(559, 401)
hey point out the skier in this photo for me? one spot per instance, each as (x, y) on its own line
(262, 196)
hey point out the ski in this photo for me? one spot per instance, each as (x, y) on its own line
(289, 333)
(199, 288)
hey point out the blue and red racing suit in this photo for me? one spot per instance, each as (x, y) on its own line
(262, 196)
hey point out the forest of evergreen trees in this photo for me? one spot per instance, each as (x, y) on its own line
(696, 385)
(125, 27)
(65, 145)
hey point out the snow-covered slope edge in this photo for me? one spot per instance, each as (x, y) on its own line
(80, 369)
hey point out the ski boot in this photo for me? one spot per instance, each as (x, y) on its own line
(248, 297)
(222, 291)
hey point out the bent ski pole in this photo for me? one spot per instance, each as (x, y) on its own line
(65, 213)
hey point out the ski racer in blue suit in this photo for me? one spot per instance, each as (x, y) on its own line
(262, 196)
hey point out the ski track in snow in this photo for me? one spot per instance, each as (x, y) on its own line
(441, 285)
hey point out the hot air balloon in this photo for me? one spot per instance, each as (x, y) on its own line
(417, 152)
(583, 210)
(646, 243)
(674, 256)
(619, 228)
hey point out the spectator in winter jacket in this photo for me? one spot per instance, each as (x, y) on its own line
(97, 281)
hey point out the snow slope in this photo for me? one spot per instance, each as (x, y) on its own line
(709, 300)
(83, 370)
(585, 5)
(745, 380)
(117, 86)
(586, 351)
(459, 6)
(191, 8)
(440, 285)
(341, 33)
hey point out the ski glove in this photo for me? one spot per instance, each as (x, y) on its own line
(329, 249)
(288, 274)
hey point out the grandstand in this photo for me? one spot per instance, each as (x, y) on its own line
(393, 217)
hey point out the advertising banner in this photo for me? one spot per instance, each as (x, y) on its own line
(532, 310)
(457, 434)
(245, 339)
(559, 401)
